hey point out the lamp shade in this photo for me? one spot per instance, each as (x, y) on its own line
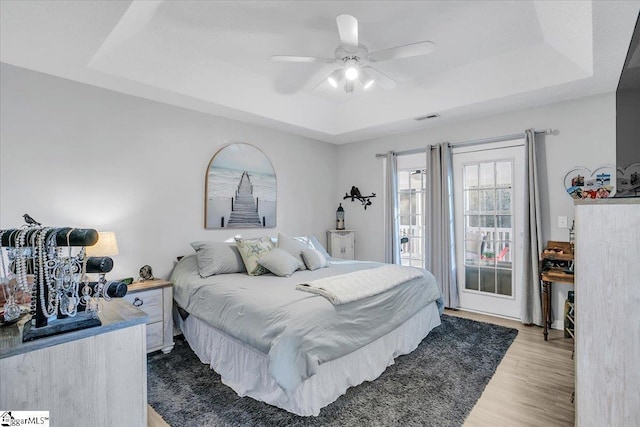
(106, 245)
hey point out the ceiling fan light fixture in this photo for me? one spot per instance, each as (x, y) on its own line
(366, 80)
(351, 73)
(351, 70)
(349, 87)
(334, 78)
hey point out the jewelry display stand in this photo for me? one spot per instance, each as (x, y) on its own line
(62, 299)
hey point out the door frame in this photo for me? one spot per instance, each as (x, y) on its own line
(478, 301)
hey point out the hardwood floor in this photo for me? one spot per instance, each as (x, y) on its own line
(533, 384)
(154, 419)
(531, 387)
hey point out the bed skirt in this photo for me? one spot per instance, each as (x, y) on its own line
(246, 370)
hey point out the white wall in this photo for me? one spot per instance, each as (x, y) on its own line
(586, 137)
(79, 156)
(76, 155)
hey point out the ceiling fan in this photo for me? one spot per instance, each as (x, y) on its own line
(354, 58)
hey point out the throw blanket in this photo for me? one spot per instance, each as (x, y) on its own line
(357, 285)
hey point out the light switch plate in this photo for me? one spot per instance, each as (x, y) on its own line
(562, 222)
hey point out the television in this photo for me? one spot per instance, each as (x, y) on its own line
(628, 121)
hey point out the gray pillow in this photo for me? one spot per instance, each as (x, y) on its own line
(279, 262)
(218, 258)
(318, 246)
(294, 247)
(314, 259)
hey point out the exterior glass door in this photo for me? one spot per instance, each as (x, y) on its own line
(488, 211)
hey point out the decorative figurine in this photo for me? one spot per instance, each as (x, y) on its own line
(146, 273)
(340, 218)
(355, 194)
(29, 220)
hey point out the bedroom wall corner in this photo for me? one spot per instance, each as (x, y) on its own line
(78, 155)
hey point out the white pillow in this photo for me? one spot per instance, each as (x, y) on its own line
(314, 259)
(315, 244)
(294, 247)
(251, 250)
(279, 262)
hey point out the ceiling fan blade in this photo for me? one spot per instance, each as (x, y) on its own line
(348, 30)
(405, 51)
(380, 78)
(290, 58)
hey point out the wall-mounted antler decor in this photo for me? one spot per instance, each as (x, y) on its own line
(355, 194)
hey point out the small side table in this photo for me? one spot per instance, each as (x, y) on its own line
(341, 243)
(155, 297)
(554, 263)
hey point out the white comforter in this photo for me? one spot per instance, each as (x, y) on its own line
(297, 330)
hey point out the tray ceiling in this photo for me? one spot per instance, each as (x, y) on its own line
(213, 56)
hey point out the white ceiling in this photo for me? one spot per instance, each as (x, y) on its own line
(213, 56)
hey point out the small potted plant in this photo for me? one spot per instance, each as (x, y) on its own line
(488, 257)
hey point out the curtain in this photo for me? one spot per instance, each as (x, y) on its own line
(440, 251)
(391, 229)
(531, 299)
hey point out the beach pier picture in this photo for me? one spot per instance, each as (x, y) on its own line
(240, 189)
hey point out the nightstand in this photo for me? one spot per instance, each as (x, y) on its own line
(341, 243)
(155, 297)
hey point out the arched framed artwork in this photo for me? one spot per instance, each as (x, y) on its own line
(240, 189)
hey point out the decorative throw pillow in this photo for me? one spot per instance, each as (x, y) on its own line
(252, 249)
(314, 259)
(294, 247)
(315, 244)
(279, 262)
(218, 258)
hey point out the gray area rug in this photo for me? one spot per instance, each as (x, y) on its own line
(436, 385)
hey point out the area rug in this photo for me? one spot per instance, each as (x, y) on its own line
(436, 385)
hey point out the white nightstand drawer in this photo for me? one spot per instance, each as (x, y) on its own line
(148, 301)
(155, 335)
(155, 298)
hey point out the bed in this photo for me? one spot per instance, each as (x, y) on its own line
(296, 349)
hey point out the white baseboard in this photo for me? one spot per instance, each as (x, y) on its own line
(556, 324)
(489, 314)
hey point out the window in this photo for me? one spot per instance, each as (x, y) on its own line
(488, 226)
(411, 197)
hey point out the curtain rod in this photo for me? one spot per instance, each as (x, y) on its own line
(472, 142)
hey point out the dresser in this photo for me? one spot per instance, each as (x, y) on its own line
(91, 377)
(341, 243)
(155, 297)
(607, 310)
